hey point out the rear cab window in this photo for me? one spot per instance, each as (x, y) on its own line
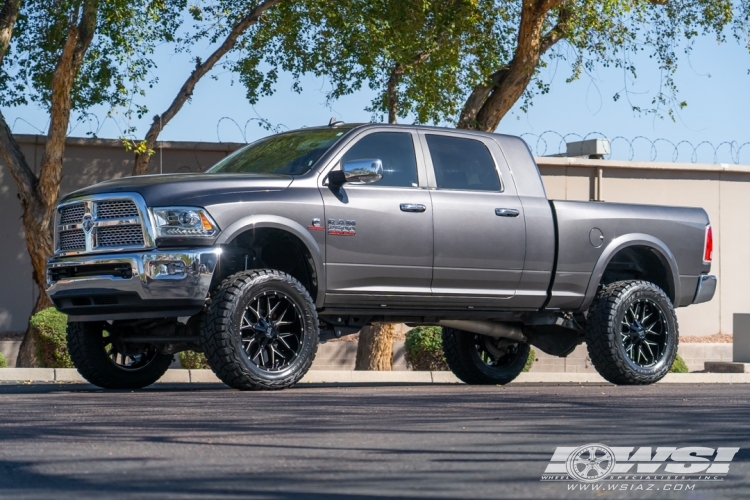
(462, 164)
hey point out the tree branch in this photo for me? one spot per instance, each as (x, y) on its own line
(11, 152)
(201, 68)
(76, 44)
(488, 103)
(8, 17)
(25, 179)
(557, 33)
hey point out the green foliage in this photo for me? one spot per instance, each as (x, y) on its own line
(52, 347)
(679, 365)
(193, 360)
(115, 66)
(530, 360)
(3, 362)
(445, 49)
(438, 49)
(424, 348)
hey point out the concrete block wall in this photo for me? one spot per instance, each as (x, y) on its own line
(694, 355)
(343, 355)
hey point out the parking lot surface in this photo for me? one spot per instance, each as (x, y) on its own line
(360, 442)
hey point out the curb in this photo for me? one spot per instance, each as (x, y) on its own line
(179, 376)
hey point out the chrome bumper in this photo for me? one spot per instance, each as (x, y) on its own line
(147, 284)
(706, 289)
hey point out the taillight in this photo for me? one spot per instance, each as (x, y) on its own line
(708, 247)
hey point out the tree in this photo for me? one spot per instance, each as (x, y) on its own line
(67, 55)
(597, 33)
(411, 52)
(469, 62)
(229, 21)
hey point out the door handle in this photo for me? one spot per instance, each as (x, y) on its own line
(506, 212)
(412, 207)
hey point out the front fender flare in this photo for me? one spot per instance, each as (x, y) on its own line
(274, 221)
(631, 240)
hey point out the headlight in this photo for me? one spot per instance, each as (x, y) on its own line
(183, 222)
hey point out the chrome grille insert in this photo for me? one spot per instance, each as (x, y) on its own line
(72, 214)
(103, 223)
(72, 240)
(119, 236)
(116, 209)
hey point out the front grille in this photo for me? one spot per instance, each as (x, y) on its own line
(111, 223)
(119, 236)
(72, 214)
(116, 209)
(72, 240)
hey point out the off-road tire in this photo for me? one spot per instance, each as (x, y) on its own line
(603, 339)
(221, 339)
(463, 359)
(87, 352)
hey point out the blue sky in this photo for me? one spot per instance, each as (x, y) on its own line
(714, 81)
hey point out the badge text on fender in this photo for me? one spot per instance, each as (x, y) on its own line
(342, 227)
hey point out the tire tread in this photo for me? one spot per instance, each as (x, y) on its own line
(216, 337)
(601, 334)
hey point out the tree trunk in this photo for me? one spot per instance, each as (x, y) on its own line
(375, 347)
(39, 194)
(140, 167)
(391, 93)
(489, 103)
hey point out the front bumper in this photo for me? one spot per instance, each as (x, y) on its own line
(146, 284)
(706, 289)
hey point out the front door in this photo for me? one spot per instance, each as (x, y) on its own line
(480, 232)
(379, 235)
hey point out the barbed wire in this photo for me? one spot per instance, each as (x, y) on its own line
(551, 143)
(547, 143)
(261, 122)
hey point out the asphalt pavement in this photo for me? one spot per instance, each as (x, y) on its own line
(360, 442)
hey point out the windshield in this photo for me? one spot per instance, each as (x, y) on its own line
(292, 153)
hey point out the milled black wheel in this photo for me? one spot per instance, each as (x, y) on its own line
(632, 333)
(261, 331)
(478, 359)
(110, 364)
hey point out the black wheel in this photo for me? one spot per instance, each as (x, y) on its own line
(631, 333)
(478, 359)
(261, 331)
(110, 364)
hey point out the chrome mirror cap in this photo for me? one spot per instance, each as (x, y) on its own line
(363, 171)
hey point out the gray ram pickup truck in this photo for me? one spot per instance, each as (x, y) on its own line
(312, 234)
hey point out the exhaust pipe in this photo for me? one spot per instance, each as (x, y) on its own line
(488, 328)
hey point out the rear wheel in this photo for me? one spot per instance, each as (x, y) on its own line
(478, 359)
(110, 364)
(632, 333)
(261, 331)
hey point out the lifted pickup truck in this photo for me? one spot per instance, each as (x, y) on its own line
(312, 234)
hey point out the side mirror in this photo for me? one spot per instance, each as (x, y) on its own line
(362, 171)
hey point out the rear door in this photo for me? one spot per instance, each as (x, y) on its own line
(379, 235)
(478, 220)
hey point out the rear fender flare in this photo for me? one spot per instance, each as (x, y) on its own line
(630, 240)
(288, 225)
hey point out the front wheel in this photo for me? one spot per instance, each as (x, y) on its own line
(261, 331)
(631, 333)
(478, 359)
(110, 364)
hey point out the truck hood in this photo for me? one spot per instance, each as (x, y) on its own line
(188, 189)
